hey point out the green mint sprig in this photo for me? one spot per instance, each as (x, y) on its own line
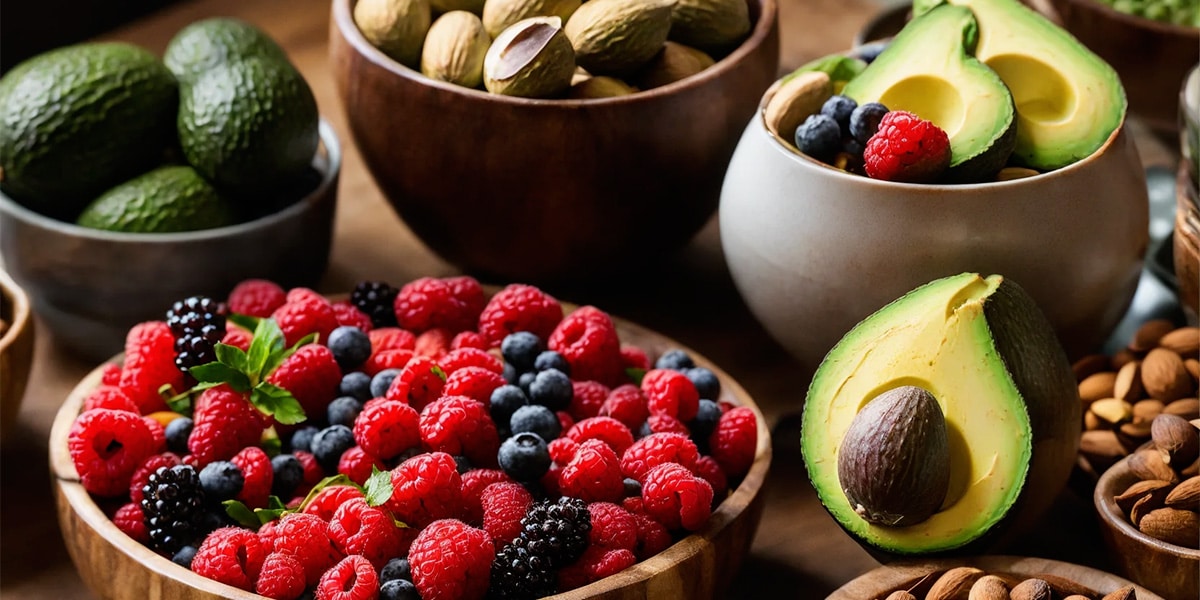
(377, 491)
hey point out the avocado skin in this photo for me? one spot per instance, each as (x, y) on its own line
(77, 120)
(167, 199)
(205, 44)
(248, 125)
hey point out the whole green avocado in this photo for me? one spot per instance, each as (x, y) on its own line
(211, 42)
(77, 120)
(166, 200)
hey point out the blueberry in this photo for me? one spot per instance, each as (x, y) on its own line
(520, 349)
(839, 108)
(343, 411)
(820, 137)
(178, 431)
(676, 360)
(356, 385)
(525, 380)
(221, 480)
(382, 381)
(510, 373)
(350, 346)
(505, 401)
(398, 589)
(538, 419)
(551, 360)
(551, 388)
(633, 488)
(184, 557)
(302, 438)
(214, 519)
(705, 422)
(524, 457)
(853, 147)
(288, 474)
(864, 121)
(461, 464)
(397, 568)
(870, 51)
(707, 384)
(329, 444)
(643, 430)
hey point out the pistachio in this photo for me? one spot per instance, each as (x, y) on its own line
(1177, 441)
(618, 36)
(1128, 384)
(1148, 335)
(455, 48)
(1185, 496)
(600, 86)
(794, 101)
(989, 587)
(1031, 589)
(954, 584)
(1184, 341)
(498, 15)
(672, 63)
(532, 59)
(716, 24)
(1097, 386)
(1164, 376)
(1173, 526)
(396, 27)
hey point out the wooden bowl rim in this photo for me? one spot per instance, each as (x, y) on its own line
(344, 20)
(1159, 27)
(1111, 515)
(22, 311)
(67, 480)
(332, 152)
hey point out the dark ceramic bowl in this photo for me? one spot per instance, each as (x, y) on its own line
(90, 286)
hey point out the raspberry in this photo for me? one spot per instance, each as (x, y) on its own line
(351, 579)
(256, 297)
(735, 440)
(587, 398)
(504, 504)
(606, 429)
(130, 520)
(663, 424)
(327, 501)
(225, 422)
(709, 470)
(258, 474)
(476, 383)
(468, 291)
(110, 397)
(312, 375)
(907, 148)
(267, 534)
(473, 484)
(418, 383)
(149, 364)
(391, 338)
(304, 313)
(656, 449)
(469, 339)
(653, 537)
(434, 343)
(375, 299)
(357, 528)
(198, 323)
(451, 561)
(110, 374)
(312, 469)
(237, 337)
(347, 314)
(613, 527)
(385, 429)
(281, 577)
(594, 475)
(633, 357)
(470, 357)
(426, 488)
(148, 466)
(356, 464)
(157, 434)
(107, 446)
(303, 536)
(588, 340)
(429, 303)
(519, 308)
(562, 450)
(594, 565)
(676, 498)
(671, 393)
(626, 404)
(231, 555)
(387, 359)
(460, 426)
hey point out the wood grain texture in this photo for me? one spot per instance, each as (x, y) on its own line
(701, 565)
(16, 348)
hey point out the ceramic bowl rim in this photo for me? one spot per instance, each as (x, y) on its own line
(1111, 515)
(21, 307)
(333, 153)
(343, 20)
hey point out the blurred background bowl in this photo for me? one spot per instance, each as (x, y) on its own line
(89, 286)
(16, 348)
(534, 190)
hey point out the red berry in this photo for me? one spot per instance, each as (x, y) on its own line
(503, 506)
(469, 339)
(418, 383)
(110, 397)
(473, 484)
(281, 578)
(357, 528)
(107, 446)
(633, 357)
(476, 383)
(594, 565)
(470, 357)
(312, 375)
(671, 393)
(312, 469)
(613, 527)
(734, 441)
(131, 521)
(676, 498)
(653, 537)
(256, 297)
(587, 399)
(157, 433)
(626, 404)
(906, 148)
(237, 337)
(150, 364)
(225, 422)
(565, 422)
(142, 475)
(425, 488)
(110, 374)
(562, 450)
(258, 474)
(351, 579)
(656, 449)
(519, 308)
(231, 555)
(429, 303)
(460, 426)
(451, 561)
(606, 429)
(386, 359)
(666, 424)
(434, 343)
(304, 537)
(391, 338)
(305, 312)
(385, 429)
(588, 340)
(356, 464)
(348, 314)
(707, 469)
(594, 475)
(327, 501)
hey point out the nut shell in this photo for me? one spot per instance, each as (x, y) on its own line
(618, 36)
(1173, 526)
(531, 59)
(714, 24)
(498, 15)
(1177, 441)
(673, 63)
(455, 48)
(794, 101)
(396, 27)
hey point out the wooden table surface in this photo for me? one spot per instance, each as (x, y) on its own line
(799, 551)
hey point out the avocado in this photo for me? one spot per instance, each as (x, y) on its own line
(1069, 101)
(988, 356)
(840, 69)
(248, 125)
(927, 70)
(80, 119)
(210, 42)
(167, 199)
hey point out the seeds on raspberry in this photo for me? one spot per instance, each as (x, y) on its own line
(231, 555)
(107, 446)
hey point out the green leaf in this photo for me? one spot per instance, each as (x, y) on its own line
(271, 444)
(242, 514)
(332, 480)
(268, 339)
(246, 322)
(215, 372)
(278, 402)
(379, 487)
(274, 503)
(277, 358)
(274, 510)
(635, 374)
(232, 356)
(436, 370)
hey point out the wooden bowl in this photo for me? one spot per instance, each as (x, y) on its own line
(701, 565)
(1170, 570)
(532, 190)
(919, 575)
(16, 348)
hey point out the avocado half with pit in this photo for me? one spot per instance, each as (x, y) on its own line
(928, 70)
(981, 349)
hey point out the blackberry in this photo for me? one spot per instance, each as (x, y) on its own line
(376, 299)
(518, 573)
(173, 507)
(557, 530)
(198, 323)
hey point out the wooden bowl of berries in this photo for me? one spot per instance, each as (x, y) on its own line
(427, 439)
(16, 348)
(856, 182)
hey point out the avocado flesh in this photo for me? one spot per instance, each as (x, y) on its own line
(927, 70)
(936, 337)
(1069, 101)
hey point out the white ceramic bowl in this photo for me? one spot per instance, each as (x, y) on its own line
(814, 250)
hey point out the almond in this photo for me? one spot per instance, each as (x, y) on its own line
(1177, 441)
(1184, 341)
(1031, 589)
(1112, 410)
(1185, 496)
(954, 584)
(1125, 593)
(1144, 411)
(1121, 357)
(1188, 408)
(1148, 464)
(1193, 368)
(1148, 335)
(1065, 587)
(1191, 470)
(1128, 384)
(1139, 490)
(1102, 448)
(1173, 526)
(1164, 376)
(901, 595)
(989, 587)
(1089, 365)
(1091, 422)
(1144, 505)
(1097, 386)
(1132, 435)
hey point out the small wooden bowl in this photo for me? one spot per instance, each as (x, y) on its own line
(16, 348)
(919, 575)
(701, 565)
(1170, 570)
(531, 190)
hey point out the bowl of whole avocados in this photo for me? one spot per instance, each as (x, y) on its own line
(952, 150)
(541, 139)
(130, 181)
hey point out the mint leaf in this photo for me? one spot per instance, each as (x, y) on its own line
(242, 514)
(270, 442)
(215, 372)
(379, 487)
(436, 370)
(635, 374)
(232, 356)
(332, 480)
(277, 358)
(278, 402)
(274, 510)
(268, 339)
(246, 322)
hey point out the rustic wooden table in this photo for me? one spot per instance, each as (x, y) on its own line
(799, 551)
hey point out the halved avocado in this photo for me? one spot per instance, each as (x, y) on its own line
(988, 356)
(1069, 101)
(928, 70)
